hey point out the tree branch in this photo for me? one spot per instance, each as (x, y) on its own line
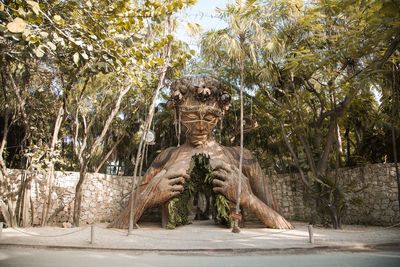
(108, 154)
(294, 156)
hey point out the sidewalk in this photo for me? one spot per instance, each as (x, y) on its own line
(204, 236)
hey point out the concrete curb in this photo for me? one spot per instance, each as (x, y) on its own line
(288, 250)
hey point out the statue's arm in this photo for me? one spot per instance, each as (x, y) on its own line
(158, 184)
(267, 215)
(259, 182)
(226, 179)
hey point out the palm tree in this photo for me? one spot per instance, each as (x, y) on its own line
(236, 44)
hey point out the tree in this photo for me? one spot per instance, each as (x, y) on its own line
(314, 60)
(78, 46)
(237, 43)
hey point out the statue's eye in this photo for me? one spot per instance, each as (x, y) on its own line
(209, 117)
(192, 116)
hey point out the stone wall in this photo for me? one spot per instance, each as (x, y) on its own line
(103, 196)
(372, 195)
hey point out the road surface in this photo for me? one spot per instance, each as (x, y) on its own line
(21, 257)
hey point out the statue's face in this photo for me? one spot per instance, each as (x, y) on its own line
(199, 125)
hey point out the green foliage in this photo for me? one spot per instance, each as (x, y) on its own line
(78, 55)
(179, 208)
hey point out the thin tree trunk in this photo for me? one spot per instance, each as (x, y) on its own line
(395, 112)
(26, 204)
(396, 165)
(135, 180)
(21, 193)
(79, 152)
(78, 194)
(11, 206)
(57, 126)
(3, 167)
(339, 144)
(307, 150)
(108, 154)
(323, 162)
(347, 135)
(5, 213)
(294, 156)
(20, 200)
(32, 210)
(235, 228)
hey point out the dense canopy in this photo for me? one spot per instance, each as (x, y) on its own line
(79, 81)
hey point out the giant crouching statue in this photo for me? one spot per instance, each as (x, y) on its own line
(203, 167)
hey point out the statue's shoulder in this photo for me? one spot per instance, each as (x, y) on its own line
(234, 152)
(164, 156)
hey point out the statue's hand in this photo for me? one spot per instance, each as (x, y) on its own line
(226, 179)
(168, 184)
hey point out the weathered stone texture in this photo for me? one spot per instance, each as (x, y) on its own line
(103, 196)
(372, 196)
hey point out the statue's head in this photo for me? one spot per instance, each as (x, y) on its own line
(200, 102)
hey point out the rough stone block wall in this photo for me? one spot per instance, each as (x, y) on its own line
(294, 203)
(376, 202)
(372, 196)
(104, 196)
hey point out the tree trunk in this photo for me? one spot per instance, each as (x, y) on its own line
(32, 210)
(339, 145)
(108, 155)
(25, 220)
(307, 150)
(323, 162)
(295, 159)
(49, 188)
(347, 135)
(3, 167)
(396, 166)
(11, 206)
(334, 217)
(84, 153)
(140, 153)
(78, 194)
(20, 199)
(5, 213)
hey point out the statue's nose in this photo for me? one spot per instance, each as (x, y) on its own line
(201, 125)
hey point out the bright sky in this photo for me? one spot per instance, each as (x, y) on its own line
(204, 14)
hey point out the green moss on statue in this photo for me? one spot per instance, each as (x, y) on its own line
(179, 208)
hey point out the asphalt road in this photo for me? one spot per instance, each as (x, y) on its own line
(22, 257)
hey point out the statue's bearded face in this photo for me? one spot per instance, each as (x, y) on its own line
(199, 124)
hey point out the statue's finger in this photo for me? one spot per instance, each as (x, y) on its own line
(218, 183)
(174, 194)
(177, 180)
(174, 174)
(219, 174)
(218, 190)
(177, 188)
